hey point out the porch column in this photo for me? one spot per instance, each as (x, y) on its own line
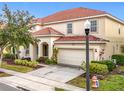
(31, 51)
(40, 51)
(50, 50)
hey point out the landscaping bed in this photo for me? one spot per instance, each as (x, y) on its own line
(2, 74)
(110, 76)
(18, 68)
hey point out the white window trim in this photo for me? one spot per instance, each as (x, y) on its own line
(97, 29)
(67, 27)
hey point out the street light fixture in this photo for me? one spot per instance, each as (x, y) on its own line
(87, 27)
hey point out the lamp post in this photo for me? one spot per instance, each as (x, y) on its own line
(87, 29)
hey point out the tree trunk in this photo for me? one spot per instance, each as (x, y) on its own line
(13, 50)
(1, 57)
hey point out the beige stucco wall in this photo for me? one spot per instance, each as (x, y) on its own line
(112, 27)
(116, 39)
(78, 27)
(107, 29)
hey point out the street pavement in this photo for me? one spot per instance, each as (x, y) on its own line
(4, 87)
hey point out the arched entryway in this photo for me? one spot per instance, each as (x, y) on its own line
(45, 49)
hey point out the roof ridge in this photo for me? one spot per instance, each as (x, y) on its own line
(80, 38)
(47, 30)
(78, 9)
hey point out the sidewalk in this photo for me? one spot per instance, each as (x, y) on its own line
(43, 81)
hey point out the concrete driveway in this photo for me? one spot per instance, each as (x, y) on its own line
(57, 73)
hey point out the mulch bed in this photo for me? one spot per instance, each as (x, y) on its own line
(11, 62)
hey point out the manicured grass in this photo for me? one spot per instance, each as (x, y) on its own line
(110, 83)
(4, 74)
(59, 89)
(121, 68)
(17, 68)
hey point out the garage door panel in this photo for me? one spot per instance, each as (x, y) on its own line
(72, 56)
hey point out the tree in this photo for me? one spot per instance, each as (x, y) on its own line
(3, 42)
(15, 31)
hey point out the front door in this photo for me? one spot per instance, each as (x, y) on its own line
(45, 49)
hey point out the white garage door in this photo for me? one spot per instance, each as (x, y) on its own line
(73, 56)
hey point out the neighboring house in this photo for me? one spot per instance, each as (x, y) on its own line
(65, 30)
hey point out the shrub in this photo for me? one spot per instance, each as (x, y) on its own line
(34, 63)
(26, 63)
(41, 59)
(8, 56)
(119, 59)
(17, 61)
(54, 56)
(96, 68)
(109, 64)
(50, 61)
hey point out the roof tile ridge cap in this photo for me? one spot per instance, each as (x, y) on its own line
(54, 30)
(99, 38)
(58, 32)
(41, 29)
(68, 10)
(49, 30)
(93, 9)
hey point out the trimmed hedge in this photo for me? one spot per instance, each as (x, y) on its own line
(50, 61)
(96, 68)
(26, 63)
(109, 64)
(119, 59)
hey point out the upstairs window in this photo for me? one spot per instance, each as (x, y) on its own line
(93, 26)
(119, 31)
(69, 28)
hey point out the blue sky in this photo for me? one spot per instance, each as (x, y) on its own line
(41, 9)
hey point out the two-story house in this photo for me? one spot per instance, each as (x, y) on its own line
(65, 30)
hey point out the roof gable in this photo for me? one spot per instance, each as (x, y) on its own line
(80, 38)
(47, 31)
(70, 14)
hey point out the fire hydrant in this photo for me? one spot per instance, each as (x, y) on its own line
(95, 82)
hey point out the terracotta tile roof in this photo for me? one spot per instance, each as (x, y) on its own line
(47, 31)
(79, 38)
(70, 14)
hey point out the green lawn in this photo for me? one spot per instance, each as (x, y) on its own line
(17, 68)
(110, 83)
(4, 75)
(121, 68)
(59, 89)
